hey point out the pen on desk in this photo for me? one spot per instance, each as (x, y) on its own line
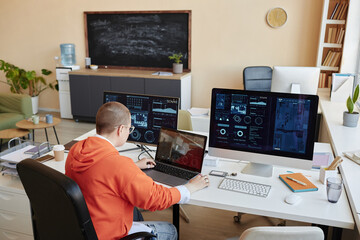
(295, 180)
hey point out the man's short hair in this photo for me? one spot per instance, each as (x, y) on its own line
(111, 115)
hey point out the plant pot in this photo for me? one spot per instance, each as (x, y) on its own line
(177, 67)
(350, 119)
(35, 104)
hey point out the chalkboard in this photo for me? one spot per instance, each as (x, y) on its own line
(138, 39)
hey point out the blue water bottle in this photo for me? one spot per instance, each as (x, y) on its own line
(67, 54)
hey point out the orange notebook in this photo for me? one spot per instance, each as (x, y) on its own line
(297, 184)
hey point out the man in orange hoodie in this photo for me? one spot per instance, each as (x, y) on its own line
(113, 184)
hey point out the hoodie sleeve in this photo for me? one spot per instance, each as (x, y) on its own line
(141, 191)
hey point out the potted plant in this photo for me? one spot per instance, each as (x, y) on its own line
(21, 81)
(177, 65)
(351, 118)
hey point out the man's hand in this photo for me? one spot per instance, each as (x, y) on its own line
(197, 183)
(145, 163)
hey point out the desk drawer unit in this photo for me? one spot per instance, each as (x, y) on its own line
(15, 222)
(8, 235)
(14, 202)
(15, 217)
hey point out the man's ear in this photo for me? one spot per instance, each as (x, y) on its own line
(118, 130)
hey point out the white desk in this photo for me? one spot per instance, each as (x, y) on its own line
(344, 139)
(314, 207)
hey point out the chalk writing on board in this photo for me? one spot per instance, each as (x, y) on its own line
(137, 39)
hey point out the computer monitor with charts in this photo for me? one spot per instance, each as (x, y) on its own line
(264, 128)
(148, 114)
(302, 80)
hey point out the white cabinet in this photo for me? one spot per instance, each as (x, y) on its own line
(62, 75)
(15, 216)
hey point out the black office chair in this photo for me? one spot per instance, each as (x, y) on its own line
(58, 206)
(257, 78)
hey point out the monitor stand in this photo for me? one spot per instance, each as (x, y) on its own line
(295, 88)
(258, 169)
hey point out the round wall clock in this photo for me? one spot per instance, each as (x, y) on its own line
(276, 17)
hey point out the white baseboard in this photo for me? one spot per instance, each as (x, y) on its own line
(49, 110)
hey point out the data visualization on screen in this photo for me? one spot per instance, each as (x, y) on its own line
(263, 123)
(148, 114)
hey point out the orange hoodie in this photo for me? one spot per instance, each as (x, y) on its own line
(112, 185)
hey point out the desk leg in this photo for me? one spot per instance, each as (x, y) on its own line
(325, 229)
(57, 139)
(336, 233)
(47, 138)
(33, 135)
(176, 218)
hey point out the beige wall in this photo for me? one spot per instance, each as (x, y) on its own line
(227, 36)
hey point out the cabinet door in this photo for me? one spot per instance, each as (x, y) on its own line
(97, 84)
(80, 95)
(163, 87)
(127, 84)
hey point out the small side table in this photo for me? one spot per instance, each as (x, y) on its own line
(12, 133)
(25, 124)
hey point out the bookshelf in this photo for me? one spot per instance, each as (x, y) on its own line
(331, 42)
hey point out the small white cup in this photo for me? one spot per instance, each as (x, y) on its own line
(59, 152)
(35, 119)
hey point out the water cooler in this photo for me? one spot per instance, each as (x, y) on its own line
(62, 75)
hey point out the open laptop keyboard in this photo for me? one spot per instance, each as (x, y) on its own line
(252, 188)
(174, 171)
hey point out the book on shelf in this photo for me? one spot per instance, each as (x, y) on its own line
(320, 85)
(324, 81)
(334, 11)
(329, 35)
(339, 9)
(329, 81)
(333, 35)
(340, 36)
(328, 58)
(343, 12)
(335, 61)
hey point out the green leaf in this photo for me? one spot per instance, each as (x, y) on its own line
(30, 75)
(350, 105)
(356, 94)
(45, 72)
(41, 79)
(2, 65)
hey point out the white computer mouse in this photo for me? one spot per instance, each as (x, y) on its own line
(293, 199)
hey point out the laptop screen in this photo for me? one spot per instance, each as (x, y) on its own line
(181, 149)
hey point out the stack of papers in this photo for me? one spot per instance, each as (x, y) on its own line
(162, 73)
(353, 156)
(322, 159)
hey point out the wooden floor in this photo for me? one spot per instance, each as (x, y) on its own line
(205, 223)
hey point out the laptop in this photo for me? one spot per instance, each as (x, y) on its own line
(179, 157)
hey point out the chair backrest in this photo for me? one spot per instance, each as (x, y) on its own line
(257, 78)
(58, 206)
(184, 122)
(283, 233)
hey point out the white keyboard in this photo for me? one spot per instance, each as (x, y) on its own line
(252, 188)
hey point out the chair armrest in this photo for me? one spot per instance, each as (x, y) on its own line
(145, 235)
(16, 103)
